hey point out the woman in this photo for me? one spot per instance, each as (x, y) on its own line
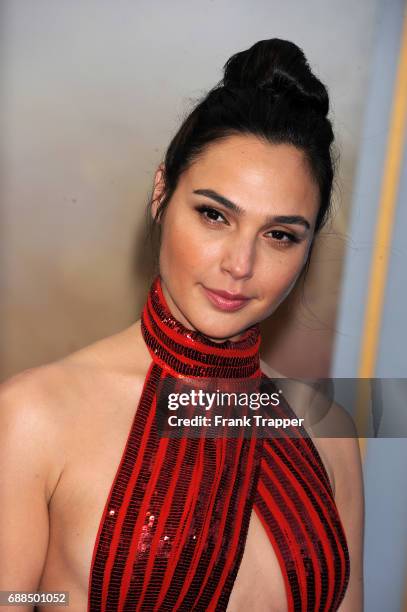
(124, 519)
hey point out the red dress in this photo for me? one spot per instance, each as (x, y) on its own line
(173, 530)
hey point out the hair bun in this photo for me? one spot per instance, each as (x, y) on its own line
(279, 66)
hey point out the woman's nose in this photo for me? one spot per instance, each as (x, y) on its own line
(239, 257)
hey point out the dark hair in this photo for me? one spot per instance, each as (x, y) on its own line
(270, 91)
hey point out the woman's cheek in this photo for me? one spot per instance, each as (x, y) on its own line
(181, 249)
(277, 277)
(289, 282)
(197, 247)
(176, 240)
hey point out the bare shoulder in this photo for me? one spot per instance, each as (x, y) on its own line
(330, 426)
(45, 387)
(29, 427)
(314, 401)
(40, 408)
(41, 386)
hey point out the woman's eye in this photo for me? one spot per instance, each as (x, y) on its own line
(283, 237)
(210, 214)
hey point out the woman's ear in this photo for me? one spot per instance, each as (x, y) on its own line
(158, 190)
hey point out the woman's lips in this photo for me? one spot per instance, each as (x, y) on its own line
(224, 303)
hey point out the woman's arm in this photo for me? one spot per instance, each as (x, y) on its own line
(349, 498)
(345, 460)
(25, 469)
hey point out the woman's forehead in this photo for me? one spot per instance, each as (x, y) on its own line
(248, 159)
(255, 175)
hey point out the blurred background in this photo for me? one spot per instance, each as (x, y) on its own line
(92, 92)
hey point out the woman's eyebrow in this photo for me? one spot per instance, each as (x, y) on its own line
(214, 195)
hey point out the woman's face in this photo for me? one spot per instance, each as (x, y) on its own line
(223, 230)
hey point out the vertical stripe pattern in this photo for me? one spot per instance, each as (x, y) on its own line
(174, 527)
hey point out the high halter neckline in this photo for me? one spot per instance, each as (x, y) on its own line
(188, 352)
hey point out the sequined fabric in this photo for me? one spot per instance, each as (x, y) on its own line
(174, 527)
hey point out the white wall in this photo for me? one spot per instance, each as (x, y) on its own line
(92, 91)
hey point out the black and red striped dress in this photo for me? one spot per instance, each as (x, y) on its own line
(173, 530)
